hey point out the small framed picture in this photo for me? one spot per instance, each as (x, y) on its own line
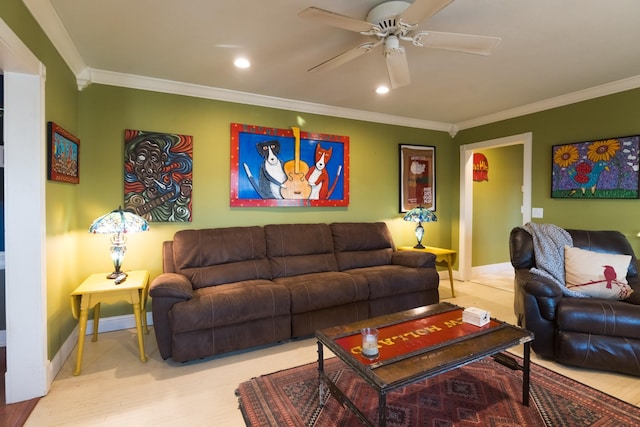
(63, 155)
(417, 177)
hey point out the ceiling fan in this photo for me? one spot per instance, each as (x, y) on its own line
(394, 21)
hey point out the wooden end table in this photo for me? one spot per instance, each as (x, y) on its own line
(444, 257)
(97, 289)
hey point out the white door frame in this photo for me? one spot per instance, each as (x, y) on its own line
(25, 219)
(466, 192)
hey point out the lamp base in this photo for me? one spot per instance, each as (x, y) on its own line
(419, 246)
(116, 274)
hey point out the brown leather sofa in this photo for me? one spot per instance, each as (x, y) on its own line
(226, 289)
(586, 332)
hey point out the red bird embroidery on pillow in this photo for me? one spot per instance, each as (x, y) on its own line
(609, 275)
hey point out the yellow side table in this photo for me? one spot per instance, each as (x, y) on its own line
(444, 257)
(97, 289)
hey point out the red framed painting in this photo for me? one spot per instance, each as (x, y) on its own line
(63, 155)
(288, 167)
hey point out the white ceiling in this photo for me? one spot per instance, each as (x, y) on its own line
(552, 52)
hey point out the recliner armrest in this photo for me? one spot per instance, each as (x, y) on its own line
(546, 293)
(171, 285)
(538, 286)
(414, 259)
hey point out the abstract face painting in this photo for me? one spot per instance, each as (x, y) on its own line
(158, 175)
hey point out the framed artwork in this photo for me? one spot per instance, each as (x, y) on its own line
(602, 169)
(288, 167)
(63, 155)
(158, 172)
(417, 177)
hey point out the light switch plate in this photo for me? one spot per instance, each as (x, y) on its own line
(537, 212)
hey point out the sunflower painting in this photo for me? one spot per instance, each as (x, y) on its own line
(603, 169)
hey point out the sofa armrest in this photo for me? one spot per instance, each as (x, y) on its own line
(414, 259)
(166, 290)
(172, 285)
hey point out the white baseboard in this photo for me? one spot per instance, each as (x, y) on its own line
(491, 268)
(482, 269)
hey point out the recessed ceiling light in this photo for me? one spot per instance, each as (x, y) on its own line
(382, 90)
(242, 63)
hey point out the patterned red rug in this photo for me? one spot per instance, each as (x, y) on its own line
(484, 393)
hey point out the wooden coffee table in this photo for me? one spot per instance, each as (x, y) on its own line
(415, 345)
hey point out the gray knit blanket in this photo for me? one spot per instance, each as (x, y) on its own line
(548, 247)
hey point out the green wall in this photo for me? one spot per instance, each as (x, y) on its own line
(600, 118)
(105, 112)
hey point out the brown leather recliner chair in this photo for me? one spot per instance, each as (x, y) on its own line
(586, 332)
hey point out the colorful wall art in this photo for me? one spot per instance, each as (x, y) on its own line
(63, 159)
(158, 175)
(602, 169)
(480, 167)
(288, 167)
(417, 177)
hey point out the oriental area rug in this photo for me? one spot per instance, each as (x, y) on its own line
(484, 393)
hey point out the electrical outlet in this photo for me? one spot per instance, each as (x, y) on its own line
(536, 212)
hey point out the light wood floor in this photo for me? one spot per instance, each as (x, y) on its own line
(116, 389)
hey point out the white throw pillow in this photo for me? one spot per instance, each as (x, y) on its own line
(597, 274)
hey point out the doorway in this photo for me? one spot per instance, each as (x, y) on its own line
(25, 211)
(465, 243)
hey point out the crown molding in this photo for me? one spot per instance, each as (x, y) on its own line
(199, 91)
(558, 101)
(45, 14)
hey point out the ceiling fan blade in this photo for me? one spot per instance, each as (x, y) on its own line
(345, 56)
(422, 9)
(398, 68)
(336, 19)
(467, 43)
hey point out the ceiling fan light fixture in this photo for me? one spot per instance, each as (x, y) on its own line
(392, 45)
(242, 62)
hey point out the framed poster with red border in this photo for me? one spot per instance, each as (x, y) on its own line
(63, 155)
(288, 167)
(417, 177)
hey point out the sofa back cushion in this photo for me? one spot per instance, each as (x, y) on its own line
(295, 249)
(362, 244)
(221, 255)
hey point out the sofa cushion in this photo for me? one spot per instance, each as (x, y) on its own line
(595, 274)
(599, 317)
(391, 280)
(362, 244)
(229, 304)
(221, 255)
(295, 249)
(316, 291)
